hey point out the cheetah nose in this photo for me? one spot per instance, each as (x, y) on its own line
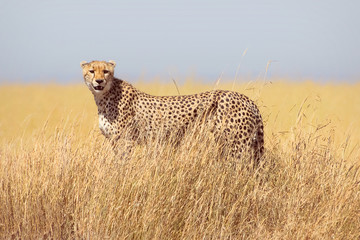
(99, 81)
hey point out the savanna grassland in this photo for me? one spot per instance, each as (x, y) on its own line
(59, 178)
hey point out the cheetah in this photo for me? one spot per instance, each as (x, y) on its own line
(123, 108)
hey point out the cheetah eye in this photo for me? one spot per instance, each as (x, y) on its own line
(91, 71)
(106, 71)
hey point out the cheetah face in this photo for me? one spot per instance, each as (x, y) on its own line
(98, 75)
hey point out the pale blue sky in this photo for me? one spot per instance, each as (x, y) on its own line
(45, 40)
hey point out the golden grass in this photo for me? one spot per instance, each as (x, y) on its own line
(59, 178)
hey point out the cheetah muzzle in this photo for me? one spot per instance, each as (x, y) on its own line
(98, 88)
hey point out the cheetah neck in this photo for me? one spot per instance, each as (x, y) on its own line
(107, 102)
(115, 107)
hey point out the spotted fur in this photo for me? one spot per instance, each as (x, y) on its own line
(122, 108)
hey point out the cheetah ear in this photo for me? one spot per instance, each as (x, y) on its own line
(112, 62)
(83, 63)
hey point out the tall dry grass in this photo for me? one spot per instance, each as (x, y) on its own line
(59, 178)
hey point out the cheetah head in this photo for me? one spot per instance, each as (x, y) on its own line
(98, 75)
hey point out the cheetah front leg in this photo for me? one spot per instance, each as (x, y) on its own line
(123, 148)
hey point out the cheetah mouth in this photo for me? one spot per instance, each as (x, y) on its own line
(99, 88)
